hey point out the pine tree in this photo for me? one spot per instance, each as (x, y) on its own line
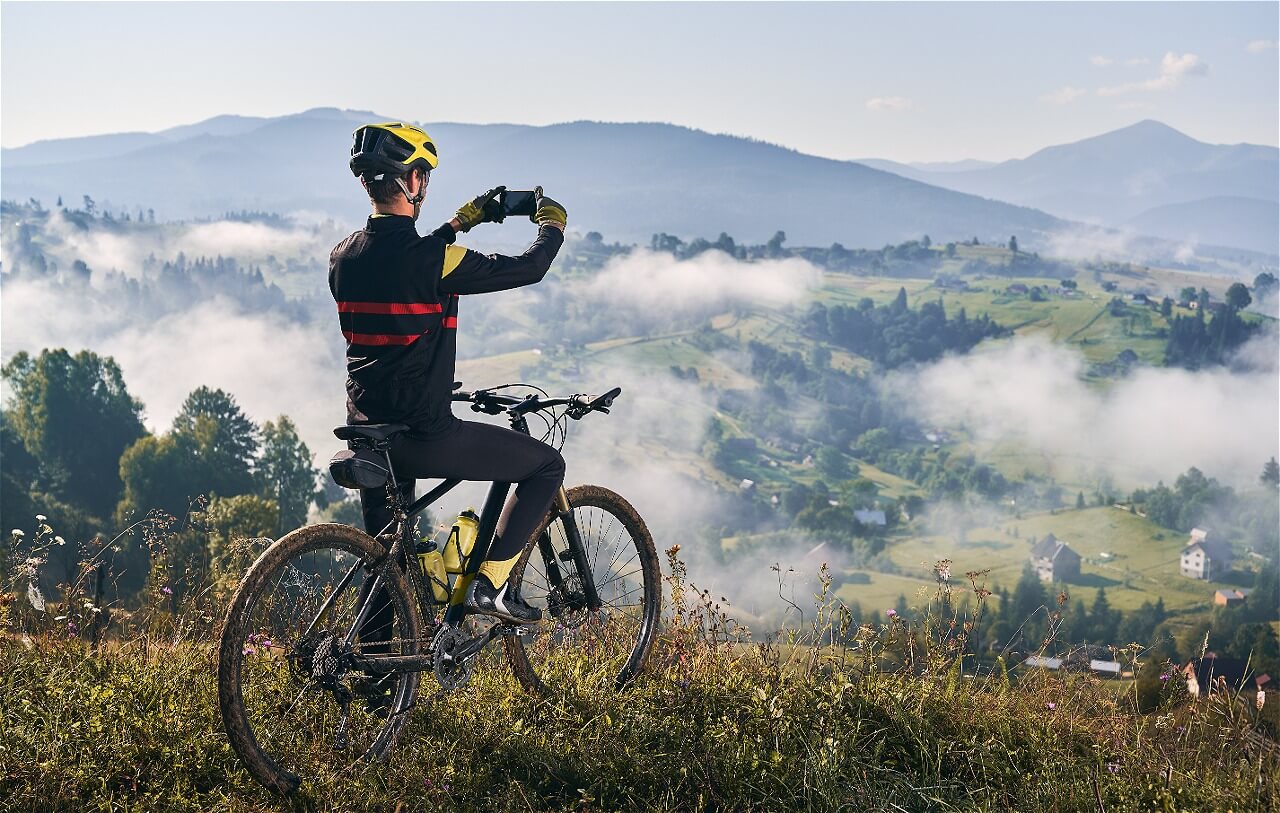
(285, 473)
(1271, 473)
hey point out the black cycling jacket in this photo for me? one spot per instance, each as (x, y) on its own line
(397, 296)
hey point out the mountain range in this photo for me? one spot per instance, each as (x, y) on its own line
(1147, 176)
(630, 181)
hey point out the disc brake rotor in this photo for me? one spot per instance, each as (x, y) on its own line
(568, 603)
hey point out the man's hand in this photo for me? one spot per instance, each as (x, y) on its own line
(547, 212)
(472, 213)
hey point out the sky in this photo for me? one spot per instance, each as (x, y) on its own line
(903, 81)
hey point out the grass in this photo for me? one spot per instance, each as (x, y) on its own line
(877, 716)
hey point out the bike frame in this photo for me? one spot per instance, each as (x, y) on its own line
(399, 553)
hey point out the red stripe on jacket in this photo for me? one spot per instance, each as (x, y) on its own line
(451, 321)
(398, 308)
(379, 338)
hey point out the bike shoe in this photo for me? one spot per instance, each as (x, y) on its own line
(500, 602)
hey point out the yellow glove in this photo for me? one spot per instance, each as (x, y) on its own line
(472, 213)
(546, 211)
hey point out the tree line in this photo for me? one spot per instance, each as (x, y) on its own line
(76, 451)
(894, 334)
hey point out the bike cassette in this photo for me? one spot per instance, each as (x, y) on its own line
(451, 672)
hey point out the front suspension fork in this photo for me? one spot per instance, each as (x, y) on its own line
(577, 552)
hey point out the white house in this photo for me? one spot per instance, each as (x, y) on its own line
(1205, 556)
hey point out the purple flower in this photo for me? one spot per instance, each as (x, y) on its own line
(1164, 677)
(1113, 767)
(891, 613)
(166, 590)
(248, 651)
(1051, 705)
(72, 629)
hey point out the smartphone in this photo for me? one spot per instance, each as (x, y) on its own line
(517, 203)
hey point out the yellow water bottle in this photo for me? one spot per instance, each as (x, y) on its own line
(462, 537)
(433, 568)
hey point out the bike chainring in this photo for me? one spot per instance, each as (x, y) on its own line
(450, 673)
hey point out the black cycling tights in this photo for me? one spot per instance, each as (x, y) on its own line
(477, 451)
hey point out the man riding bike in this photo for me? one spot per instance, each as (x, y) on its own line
(397, 295)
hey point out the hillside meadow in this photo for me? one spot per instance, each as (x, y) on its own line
(833, 716)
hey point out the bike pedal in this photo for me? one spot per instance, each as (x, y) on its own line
(521, 631)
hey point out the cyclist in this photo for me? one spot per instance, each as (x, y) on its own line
(397, 295)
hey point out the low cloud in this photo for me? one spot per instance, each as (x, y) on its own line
(1262, 46)
(1100, 61)
(1173, 67)
(1064, 95)
(271, 364)
(1092, 242)
(126, 250)
(713, 280)
(888, 103)
(1151, 426)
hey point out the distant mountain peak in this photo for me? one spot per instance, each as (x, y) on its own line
(1150, 128)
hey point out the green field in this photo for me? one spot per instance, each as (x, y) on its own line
(1143, 564)
(884, 589)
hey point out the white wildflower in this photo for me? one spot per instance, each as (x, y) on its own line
(41, 518)
(60, 540)
(17, 532)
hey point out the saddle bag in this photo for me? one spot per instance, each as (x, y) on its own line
(359, 468)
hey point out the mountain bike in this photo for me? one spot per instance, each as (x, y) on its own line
(327, 635)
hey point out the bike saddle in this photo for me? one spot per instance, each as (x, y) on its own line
(376, 432)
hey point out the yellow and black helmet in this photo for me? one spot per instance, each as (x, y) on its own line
(390, 150)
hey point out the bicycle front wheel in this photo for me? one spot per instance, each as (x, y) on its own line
(299, 684)
(576, 644)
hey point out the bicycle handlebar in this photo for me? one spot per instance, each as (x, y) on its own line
(579, 404)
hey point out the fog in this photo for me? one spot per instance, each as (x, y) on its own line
(126, 247)
(1152, 425)
(710, 281)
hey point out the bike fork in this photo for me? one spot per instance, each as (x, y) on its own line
(577, 551)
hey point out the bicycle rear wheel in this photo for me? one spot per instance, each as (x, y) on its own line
(294, 695)
(575, 645)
